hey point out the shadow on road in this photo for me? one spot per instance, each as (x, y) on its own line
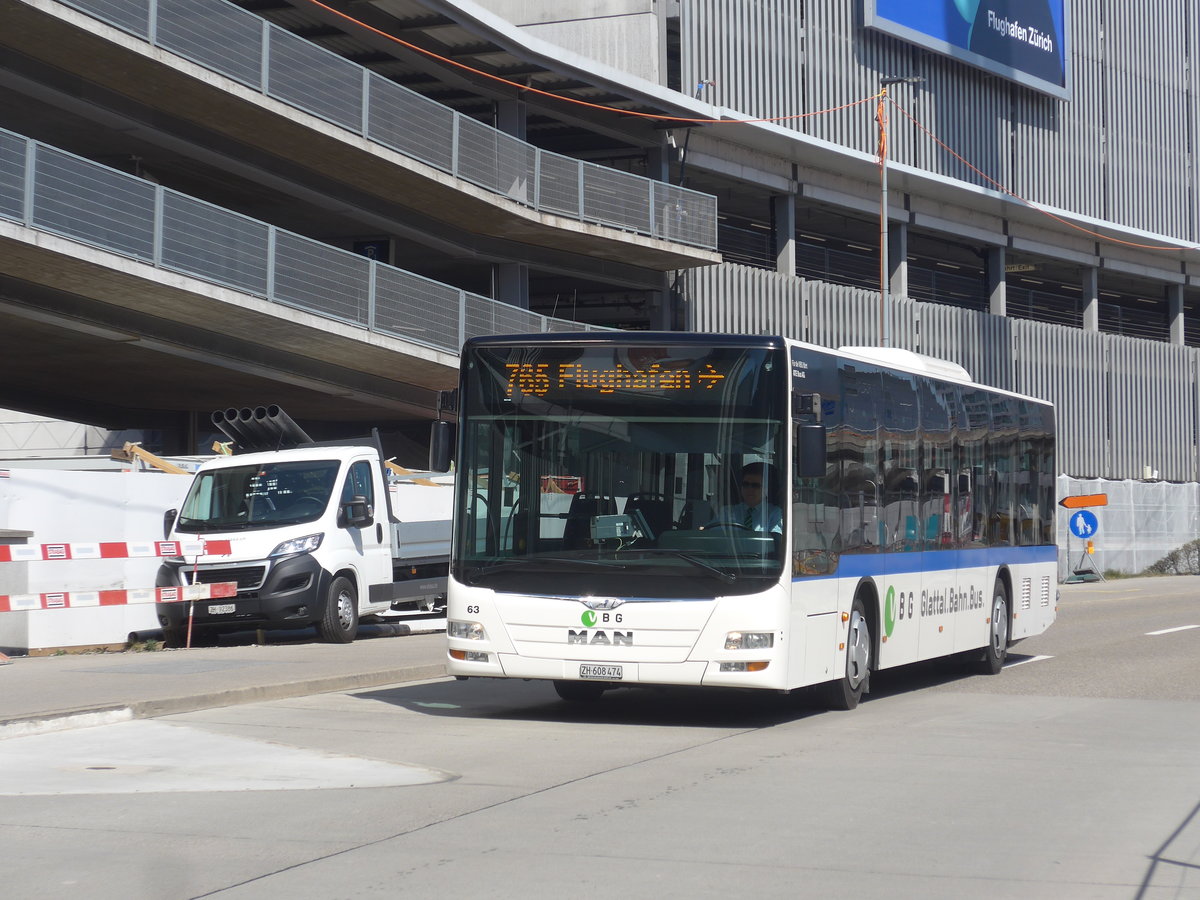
(649, 705)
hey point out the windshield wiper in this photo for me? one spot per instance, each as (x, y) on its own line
(527, 562)
(727, 577)
(191, 527)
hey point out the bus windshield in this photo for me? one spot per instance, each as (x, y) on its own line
(639, 470)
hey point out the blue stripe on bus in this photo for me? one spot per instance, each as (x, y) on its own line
(873, 565)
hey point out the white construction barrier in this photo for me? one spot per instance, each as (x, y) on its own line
(92, 516)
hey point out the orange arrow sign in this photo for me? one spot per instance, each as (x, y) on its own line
(1081, 501)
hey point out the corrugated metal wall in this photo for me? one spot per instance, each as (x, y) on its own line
(1123, 404)
(1118, 150)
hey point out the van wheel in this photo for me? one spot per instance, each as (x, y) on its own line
(579, 691)
(339, 623)
(845, 693)
(996, 651)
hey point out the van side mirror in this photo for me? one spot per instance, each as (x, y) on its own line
(357, 513)
(169, 522)
(441, 446)
(810, 451)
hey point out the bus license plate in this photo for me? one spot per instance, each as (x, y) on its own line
(217, 609)
(603, 673)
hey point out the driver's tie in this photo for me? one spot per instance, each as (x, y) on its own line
(749, 520)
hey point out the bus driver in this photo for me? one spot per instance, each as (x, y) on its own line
(756, 511)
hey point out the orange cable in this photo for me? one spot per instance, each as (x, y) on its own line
(1030, 203)
(599, 106)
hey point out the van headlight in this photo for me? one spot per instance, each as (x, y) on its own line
(306, 544)
(749, 640)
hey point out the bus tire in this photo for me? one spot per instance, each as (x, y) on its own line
(845, 692)
(339, 622)
(579, 691)
(996, 651)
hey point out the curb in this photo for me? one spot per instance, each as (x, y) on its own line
(108, 714)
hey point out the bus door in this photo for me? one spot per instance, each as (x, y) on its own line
(901, 584)
(937, 605)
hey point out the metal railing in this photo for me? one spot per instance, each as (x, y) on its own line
(229, 40)
(50, 190)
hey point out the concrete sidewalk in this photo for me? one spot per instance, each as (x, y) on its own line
(47, 693)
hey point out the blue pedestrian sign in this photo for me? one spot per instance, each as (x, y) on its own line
(1084, 523)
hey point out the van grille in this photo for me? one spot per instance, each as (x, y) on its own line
(248, 578)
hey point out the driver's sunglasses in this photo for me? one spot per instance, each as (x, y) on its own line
(753, 484)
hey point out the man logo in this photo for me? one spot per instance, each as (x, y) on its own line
(617, 639)
(601, 602)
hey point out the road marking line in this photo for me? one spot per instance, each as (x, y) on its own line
(1171, 630)
(1029, 659)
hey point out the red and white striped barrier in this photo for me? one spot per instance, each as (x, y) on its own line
(113, 550)
(78, 599)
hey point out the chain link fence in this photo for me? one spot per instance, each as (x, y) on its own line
(1142, 523)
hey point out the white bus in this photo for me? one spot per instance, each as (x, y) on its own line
(599, 540)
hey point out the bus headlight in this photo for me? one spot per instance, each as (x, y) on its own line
(749, 640)
(471, 631)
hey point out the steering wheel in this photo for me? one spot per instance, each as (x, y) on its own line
(308, 504)
(740, 525)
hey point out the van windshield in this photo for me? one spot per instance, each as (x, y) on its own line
(258, 496)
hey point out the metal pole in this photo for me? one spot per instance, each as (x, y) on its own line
(885, 307)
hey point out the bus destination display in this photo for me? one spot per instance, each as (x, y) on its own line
(541, 379)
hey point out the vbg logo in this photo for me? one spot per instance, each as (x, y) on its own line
(589, 620)
(894, 609)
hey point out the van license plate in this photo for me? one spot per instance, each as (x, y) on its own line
(219, 609)
(603, 673)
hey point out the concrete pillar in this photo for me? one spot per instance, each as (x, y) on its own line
(898, 259)
(658, 162)
(511, 117)
(997, 285)
(1175, 312)
(783, 218)
(512, 284)
(1090, 299)
(663, 313)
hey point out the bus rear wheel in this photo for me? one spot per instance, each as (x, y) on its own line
(996, 651)
(845, 692)
(579, 691)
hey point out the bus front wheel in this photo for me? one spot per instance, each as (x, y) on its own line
(996, 651)
(845, 692)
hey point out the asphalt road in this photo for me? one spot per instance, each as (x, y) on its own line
(1072, 774)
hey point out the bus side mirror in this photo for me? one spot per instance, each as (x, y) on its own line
(810, 451)
(169, 522)
(441, 447)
